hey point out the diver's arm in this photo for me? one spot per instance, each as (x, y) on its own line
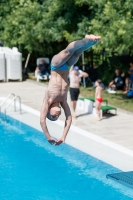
(68, 122)
(44, 111)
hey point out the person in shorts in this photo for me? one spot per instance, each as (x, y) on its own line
(75, 78)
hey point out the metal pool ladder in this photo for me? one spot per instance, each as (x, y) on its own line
(11, 101)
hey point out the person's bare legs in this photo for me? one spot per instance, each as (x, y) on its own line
(74, 58)
(111, 83)
(75, 103)
(127, 82)
(66, 54)
(98, 107)
(73, 106)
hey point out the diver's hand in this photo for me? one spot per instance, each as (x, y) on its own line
(60, 141)
(52, 140)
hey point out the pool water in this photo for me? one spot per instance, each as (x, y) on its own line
(32, 169)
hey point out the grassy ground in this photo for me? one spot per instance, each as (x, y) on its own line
(31, 76)
(118, 99)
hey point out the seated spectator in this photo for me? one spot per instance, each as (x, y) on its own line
(42, 69)
(129, 80)
(118, 81)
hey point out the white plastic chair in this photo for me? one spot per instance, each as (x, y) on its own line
(44, 77)
(13, 62)
(15, 49)
(14, 65)
(6, 49)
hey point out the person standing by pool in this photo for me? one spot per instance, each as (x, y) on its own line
(75, 77)
(98, 97)
(56, 93)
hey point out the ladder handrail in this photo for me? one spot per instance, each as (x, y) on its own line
(10, 103)
(14, 98)
(18, 97)
(6, 100)
(11, 100)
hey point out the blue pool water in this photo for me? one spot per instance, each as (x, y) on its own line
(32, 169)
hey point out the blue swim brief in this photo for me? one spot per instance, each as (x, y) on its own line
(62, 67)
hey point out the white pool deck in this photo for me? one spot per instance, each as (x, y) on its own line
(110, 140)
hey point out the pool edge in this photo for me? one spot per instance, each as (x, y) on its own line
(103, 149)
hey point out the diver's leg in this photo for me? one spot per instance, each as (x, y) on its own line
(66, 54)
(74, 58)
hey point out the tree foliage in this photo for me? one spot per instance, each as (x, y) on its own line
(47, 26)
(113, 20)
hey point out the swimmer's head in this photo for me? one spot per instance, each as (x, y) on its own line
(76, 70)
(98, 82)
(117, 72)
(42, 62)
(54, 112)
(131, 64)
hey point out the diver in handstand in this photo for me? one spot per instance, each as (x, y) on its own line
(56, 93)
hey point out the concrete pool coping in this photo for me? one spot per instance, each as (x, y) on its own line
(96, 146)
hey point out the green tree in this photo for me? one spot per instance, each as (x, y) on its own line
(113, 20)
(46, 26)
(42, 26)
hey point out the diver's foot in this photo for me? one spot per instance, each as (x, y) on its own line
(93, 37)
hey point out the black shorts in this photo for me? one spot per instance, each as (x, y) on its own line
(74, 93)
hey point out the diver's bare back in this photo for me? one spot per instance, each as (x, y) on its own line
(58, 86)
